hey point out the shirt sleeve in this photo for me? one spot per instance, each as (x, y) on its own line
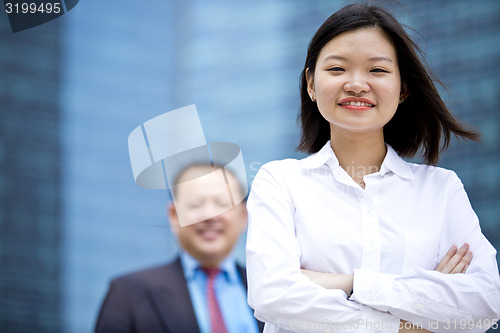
(442, 302)
(277, 290)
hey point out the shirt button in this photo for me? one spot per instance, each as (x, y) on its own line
(420, 307)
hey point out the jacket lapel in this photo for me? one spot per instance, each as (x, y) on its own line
(172, 302)
(243, 275)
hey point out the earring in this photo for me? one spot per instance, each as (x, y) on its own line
(402, 99)
(311, 95)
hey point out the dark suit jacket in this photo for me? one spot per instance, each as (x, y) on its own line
(149, 301)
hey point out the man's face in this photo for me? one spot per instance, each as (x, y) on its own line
(212, 225)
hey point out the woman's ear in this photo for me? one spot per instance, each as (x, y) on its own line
(404, 93)
(310, 85)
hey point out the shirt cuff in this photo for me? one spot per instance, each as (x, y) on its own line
(373, 289)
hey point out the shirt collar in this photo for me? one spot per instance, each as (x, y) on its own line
(392, 162)
(321, 158)
(190, 266)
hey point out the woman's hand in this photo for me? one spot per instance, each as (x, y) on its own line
(407, 327)
(455, 261)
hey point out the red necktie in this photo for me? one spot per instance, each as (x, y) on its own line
(216, 319)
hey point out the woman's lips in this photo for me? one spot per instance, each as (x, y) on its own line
(356, 104)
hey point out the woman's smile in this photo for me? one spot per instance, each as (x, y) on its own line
(356, 104)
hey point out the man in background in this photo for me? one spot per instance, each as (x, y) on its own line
(204, 289)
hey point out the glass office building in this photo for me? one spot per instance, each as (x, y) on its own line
(71, 216)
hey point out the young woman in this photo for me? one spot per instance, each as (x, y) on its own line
(353, 238)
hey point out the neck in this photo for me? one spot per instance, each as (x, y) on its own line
(210, 261)
(358, 154)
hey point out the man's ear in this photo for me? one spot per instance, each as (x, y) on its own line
(173, 217)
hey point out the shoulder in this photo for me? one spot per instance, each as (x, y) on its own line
(430, 170)
(277, 174)
(438, 176)
(149, 277)
(285, 168)
(281, 165)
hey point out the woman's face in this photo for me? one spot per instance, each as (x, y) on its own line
(356, 83)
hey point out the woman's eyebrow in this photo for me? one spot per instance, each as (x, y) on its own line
(336, 57)
(379, 58)
(382, 58)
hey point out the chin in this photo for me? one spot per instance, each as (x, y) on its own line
(213, 250)
(359, 128)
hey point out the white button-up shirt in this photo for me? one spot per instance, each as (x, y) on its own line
(310, 214)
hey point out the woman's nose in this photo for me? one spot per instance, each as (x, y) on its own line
(357, 85)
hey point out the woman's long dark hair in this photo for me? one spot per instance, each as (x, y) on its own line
(420, 122)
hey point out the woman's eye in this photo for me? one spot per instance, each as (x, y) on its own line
(336, 69)
(379, 70)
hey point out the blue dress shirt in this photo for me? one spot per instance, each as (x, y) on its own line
(229, 291)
